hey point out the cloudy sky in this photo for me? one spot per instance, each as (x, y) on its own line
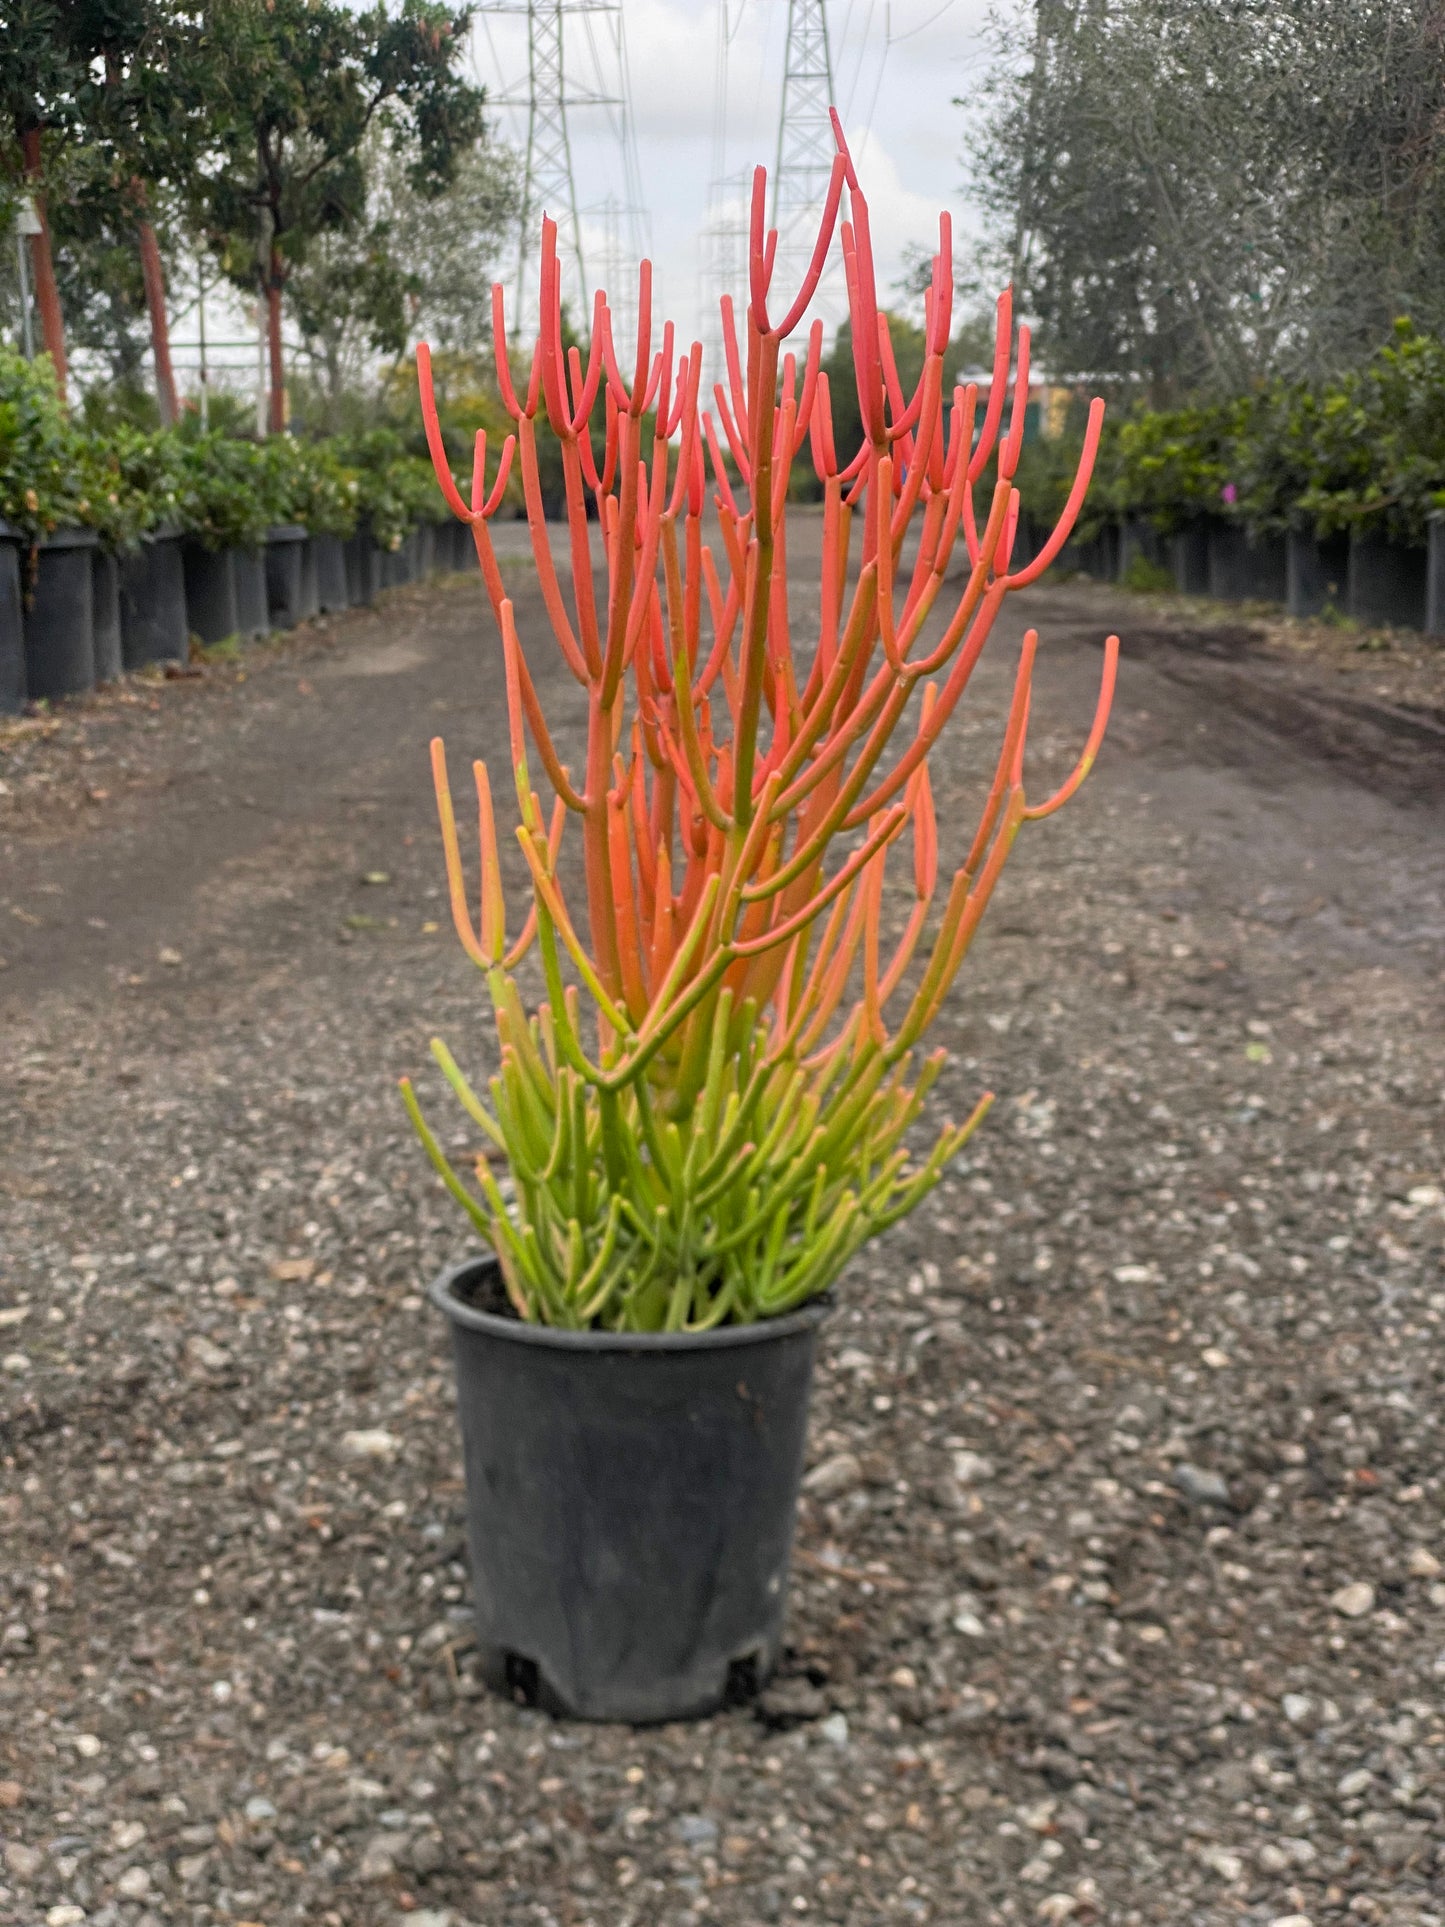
(898, 67)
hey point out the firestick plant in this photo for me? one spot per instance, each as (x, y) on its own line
(725, 1129)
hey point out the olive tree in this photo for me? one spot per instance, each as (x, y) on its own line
(1196, 193)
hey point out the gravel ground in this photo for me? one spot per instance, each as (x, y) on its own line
(1120, 1588)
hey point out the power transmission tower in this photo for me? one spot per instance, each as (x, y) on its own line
(805, 141)
(723, 241)
(576, 58)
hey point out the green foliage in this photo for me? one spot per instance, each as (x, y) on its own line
(1380, 441)
(224, 492)
(1147, 578)
(111, 469)
(129, 481)
(39, 485)
(307, 482)
(368, 289)
(1203, 195)
(1364, 450)
(394, 488)
(33, 64)
(1171, 465)
(306, 81)
(743, 1206)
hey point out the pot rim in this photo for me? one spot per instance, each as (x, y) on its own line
(442, 1293)
(69, 536)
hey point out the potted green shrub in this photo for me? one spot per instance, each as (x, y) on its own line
(131, 487)
(324, 498)
(689, 1166)
(124, 479)
(45, 555)
(223, 514)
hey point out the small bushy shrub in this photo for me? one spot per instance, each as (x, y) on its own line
(1365, 450)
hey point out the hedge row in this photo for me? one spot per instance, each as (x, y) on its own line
(126, 482)
(1365, 451)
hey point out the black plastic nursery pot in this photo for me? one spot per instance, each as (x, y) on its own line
(1099, 556)
(1189, 557)
(328, 554)
(363, 569)
(630, 1502)
(1244, 567)
(1435, 577)
(59, 623)
(310, 593)
(210, 591)
(285, 573)
(1141, 547)
(1387, 581)
(13, 545)
(395, 566)
(1027, 541)
(248, 567)
(1316, 572)
(153, 624)
(105, 617)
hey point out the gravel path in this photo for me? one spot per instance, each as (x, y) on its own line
(1120, 1592)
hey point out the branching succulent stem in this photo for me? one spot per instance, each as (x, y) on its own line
(738, 1129)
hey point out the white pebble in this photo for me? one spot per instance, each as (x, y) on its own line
(1057, 1908)
(1220, 1860)
(834, 1476)
(1353, 1601)
(370, 1445)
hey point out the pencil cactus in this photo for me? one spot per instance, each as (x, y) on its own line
(727, 1123)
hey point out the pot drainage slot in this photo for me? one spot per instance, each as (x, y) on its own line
(523, 1679)
(745, 1680)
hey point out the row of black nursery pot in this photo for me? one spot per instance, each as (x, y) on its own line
(1364, 575)
(73, 615)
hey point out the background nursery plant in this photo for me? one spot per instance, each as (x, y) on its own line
(728, 1124)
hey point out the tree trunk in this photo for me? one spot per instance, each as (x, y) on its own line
(47, 295)
(155, 285)
(273, 335)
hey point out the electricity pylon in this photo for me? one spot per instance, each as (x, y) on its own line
(805, 140)
(723, 241)
(576, 59)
